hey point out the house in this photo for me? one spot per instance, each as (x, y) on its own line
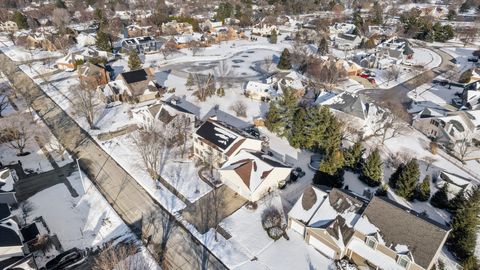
(210, 26)
(133, 87)
(378, 234)
(95, 55)
(8, 26)
(456, 183)
(11, 242)
(392, 52)
(184, 41)
(36, 41)
(134, 30)
(264, 29)
(170, 113)
(348, 105)
(253, 174)
(215, 142)
(346, 41)
(471, 99)
(86, 39)
(69, 62)
(92, 74)
(142, 44)
(174, 28)
(260, 91)
(342, 28)
(449, 128)
(352, 68)
(292, 80)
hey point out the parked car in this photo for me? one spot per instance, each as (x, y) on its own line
(363, 75)
(369, 73)
(372, 81)
(472, 59)
(67, 260)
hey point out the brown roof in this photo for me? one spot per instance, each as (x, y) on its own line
(400, 225)
(341, 201)
(244, 171)
(235, 147)
(309, 198)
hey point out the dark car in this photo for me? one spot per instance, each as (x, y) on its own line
(67, 260)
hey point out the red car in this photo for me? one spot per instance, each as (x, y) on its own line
(363, 75)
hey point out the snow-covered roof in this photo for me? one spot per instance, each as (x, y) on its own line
(116, 87)
(253, 168)
(259, 87)
(378, 258)
(308, 204)
(7, 178)
(324, 96)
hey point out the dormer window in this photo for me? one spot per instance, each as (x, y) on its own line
(403, 261)
(371, 242)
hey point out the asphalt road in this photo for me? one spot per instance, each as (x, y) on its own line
(398, 93)
(132, 203)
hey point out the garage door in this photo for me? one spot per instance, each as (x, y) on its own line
(296, 226)
(327, 251)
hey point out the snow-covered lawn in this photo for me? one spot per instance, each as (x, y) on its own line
(17, 53)
(434, 94)
(35, 161)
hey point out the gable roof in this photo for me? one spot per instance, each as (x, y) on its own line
(252, 168)
(135, 76)
(399, 225)
(307, 204)
(349, 103)
(216, 134)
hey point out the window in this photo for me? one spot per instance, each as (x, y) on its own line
(433, 122)
(371, 242)
(403, 261)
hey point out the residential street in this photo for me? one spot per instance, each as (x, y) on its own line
(398, 93)
(133, 204)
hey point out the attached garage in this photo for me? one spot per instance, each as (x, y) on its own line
(297, 226)
(324, 249)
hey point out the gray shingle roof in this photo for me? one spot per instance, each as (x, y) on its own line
(400, 225)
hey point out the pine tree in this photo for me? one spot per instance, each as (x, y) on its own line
(407, 180)
(20, 20)
(220, 92)
(323, 47)
(372, 171)
(353, 156)
(298, 137)
(189, 82)
(273, 121)
(284, 62)
(134, 61)
(423, 190)
(332, 162)
(103, 41)
(60, 4)
(377, 13)
(463, 236)
(273, 37)
(440, 198)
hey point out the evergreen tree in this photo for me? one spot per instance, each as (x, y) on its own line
(372, 171)
(382, 191)
(298, 137)
(189, 82)
(325, 179)
(423, 189)
(357, 18)
(323, 47)
(457, 202)
(377, 13)
(134, 61)
(273, 121)
(60, 4)
(462, 238)
(103, 41)
(407, 180)
(353, 156)
(220, 92)
(451, 14)
(440, 198)
(273, 37)
(284, 62)
(332, 162)
(20, 20)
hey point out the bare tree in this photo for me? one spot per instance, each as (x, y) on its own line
(45, 137)
(195, 46)
(392, 73)
(223, 72)
(206, 86)
(268, 63)
(387, 126)
(86, 103)
(4, 102)
(184, 128)
(154, 142)
(464, 147)
(18, 131)
(168, 49)
(429, 160)
(42, 243)
(121, 257)
(240, 108)
(60, 17)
